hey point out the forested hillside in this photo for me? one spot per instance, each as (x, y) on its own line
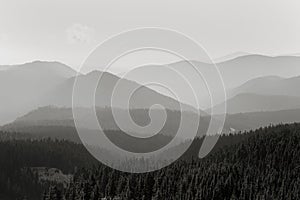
(261, 164)
(17, 157)
(266, 165)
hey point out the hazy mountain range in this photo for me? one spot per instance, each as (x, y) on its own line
(22, 86)
(62, 117)
(235, 73)
(32, 85)
(252, 102)
(267, 93)
(270, 85)
(259, 83)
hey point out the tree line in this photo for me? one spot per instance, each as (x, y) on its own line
(265, 165)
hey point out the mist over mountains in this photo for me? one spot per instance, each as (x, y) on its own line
(267, 93)
(37, 108)
(22, 86)
(32, 85)
(252, 102)
(50, 117)
(261, 83)
(270, 85)
(257, 70)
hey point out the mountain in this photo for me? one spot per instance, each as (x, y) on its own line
(270, 85)
(248, 102)
(253, 66)
(139, 103)
(32, 85)
(37, 84)
(21, 86)
(40, 68)
(238, 70)
(89, 85)
(52, 121)
(254, 120)
(44, 119)
(231, 56)
(234, 73)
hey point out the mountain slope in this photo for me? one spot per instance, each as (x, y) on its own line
(21, 86)
(253, 66)
(46, 118)
(49, 118)
(247, 102)
(264, 166)
(270, 86)
(32, 85)
(250, 67)
(231, 56)
(254, 120)
(142, 98)
(234, 73)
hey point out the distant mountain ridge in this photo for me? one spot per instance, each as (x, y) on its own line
(37, 84)
(230, 57)
(58, 122)
(254, 120)
(251, 102)
(21, 86)
(32, 85)
(234, 73)
(144, 97)
(58, 68)
(270, 85)
(62, 117)
(248, 67)
(268, 93)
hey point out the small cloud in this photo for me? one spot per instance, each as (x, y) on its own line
(79, 33)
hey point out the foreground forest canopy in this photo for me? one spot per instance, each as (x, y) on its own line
(261, 164)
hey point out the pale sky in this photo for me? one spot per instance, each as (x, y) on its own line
(68, 30)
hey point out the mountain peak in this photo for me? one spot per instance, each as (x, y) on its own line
(38, 66)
